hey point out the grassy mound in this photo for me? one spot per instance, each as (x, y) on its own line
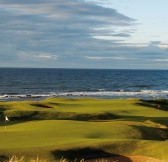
(83, 128)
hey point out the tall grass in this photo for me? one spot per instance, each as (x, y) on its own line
(22, 159)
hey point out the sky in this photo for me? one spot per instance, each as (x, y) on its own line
(103, 34)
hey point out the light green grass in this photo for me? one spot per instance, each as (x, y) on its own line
(83, 128)
(61, 132)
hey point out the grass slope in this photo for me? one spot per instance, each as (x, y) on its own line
(84, 128)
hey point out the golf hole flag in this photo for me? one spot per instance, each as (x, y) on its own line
(6, 119)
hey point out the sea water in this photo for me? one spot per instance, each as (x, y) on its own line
(23, 83)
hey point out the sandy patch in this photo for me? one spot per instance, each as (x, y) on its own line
(124, 159)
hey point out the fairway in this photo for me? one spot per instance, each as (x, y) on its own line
(84, 128)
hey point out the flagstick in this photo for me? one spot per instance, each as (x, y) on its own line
(5, 130)
(5, 126)
(6, 119)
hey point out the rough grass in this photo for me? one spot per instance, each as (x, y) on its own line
(22, 159)
(83, 129)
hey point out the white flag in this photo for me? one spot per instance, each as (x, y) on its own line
(6, 118)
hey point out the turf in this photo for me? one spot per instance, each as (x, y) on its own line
(84, 128)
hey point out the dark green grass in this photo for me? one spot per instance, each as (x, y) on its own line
(83, 128)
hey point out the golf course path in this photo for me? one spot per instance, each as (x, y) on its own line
(124, 159)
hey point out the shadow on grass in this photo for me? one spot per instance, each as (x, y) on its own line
(157, 120)
(95, 117)
(3, 158)
(143, 118)
(2, 109)
(2, 116)
(151, 133)
(161, 104)
(87, 154)
(55, 115)
(55, 104)
(40, 105)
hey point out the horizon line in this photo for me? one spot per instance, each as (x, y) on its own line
(77, 68)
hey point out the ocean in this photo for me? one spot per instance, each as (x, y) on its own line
(30, 83)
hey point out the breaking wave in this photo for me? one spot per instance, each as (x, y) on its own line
(99, 94)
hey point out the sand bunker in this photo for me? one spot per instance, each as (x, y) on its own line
(124, 159)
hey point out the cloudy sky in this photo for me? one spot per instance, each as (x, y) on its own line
(112, 34)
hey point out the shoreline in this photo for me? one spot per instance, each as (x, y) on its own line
(144, 94)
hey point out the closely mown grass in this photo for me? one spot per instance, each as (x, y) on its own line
(83, 128)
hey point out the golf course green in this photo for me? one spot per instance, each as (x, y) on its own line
(83, 128)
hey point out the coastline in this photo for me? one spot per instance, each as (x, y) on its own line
(143, 94)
